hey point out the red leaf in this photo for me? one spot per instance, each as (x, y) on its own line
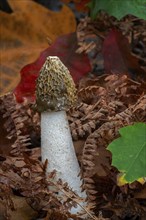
(118, 57)
(82, 5)
(64, 47)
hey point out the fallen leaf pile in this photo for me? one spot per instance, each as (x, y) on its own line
(111, 95)
(106, 103)
(21, 171)
(25, 33)
(96, 37)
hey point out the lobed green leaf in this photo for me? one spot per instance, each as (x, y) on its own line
(129, 152)
(119, 8)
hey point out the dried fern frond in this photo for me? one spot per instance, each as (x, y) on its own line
(90, 94)
(118, 102)
(20, 122)
(16, 119)
(124, 88)
(5, 196)
(91, 33)
(99, 138)
(105, 105)
(134, 113)
(139, 109)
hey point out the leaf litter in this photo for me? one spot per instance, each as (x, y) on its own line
(106, 103)
(25, 34)
(96, 123)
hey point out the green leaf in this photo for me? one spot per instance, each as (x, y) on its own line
(119, 8)
(129, 152)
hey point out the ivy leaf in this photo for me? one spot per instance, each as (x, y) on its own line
(119, 8)
(129, 152)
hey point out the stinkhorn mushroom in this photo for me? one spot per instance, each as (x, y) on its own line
(55, 94)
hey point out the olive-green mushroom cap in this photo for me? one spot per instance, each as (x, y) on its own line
(55, 88)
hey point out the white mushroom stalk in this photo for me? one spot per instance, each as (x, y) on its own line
(56, 93)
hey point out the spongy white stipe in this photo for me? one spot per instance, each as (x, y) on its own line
(57, 147)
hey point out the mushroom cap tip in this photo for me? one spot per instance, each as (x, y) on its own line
(55, 88)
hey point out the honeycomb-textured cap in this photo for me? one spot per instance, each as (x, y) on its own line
(55, 88)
